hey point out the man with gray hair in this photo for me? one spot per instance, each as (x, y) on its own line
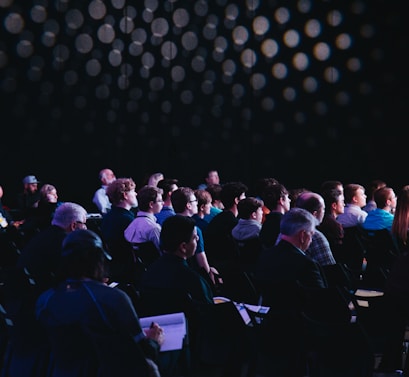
(287, 261)
(36, 270)
(41, 255)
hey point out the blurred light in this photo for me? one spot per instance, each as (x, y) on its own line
(321, 51)
(312, 28)
(291, 38)
(282, 15)
(38, 14)
(14, 23)
(97, 9)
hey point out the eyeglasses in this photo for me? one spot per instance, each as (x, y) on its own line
(192, 201)
(159, 201)
(80, 222)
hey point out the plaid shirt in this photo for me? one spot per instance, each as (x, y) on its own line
(319, 250)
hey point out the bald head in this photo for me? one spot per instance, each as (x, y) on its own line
(313, 203)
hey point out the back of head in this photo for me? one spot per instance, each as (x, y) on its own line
(175, 230)
(167, 184)
(67, 213)
(262, 183)
(117, 188)
(296, 220)
(247, 206)
(214, 190)
(83, 255)
(310, 201)
(231, 191)
(327, 186)
(382, 195)
(374, 185)
(272, 194)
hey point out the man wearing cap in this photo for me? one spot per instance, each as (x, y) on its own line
(28, 199)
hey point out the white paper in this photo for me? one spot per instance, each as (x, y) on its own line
(174, 329)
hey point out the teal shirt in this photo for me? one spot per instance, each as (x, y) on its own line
(378, 219)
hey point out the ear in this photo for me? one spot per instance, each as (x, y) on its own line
(253, 215)
(182, 248)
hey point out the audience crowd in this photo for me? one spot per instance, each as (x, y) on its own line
(73, 277)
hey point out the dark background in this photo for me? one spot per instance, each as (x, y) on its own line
(159, 95)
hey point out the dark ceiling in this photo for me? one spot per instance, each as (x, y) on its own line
(302, 91)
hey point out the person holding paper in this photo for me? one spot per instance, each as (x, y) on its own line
(93, 329)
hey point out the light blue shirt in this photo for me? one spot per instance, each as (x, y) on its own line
(378, 219)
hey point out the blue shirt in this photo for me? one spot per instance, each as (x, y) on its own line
(166, 212)
(378, 219)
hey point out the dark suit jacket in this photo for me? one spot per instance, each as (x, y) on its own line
(284, 262)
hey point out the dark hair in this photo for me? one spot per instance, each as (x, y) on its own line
(180, 198)
(272, 194)
(83, 255)
(166, 184)
(231, 191)
(247, 206)
(214, 190)
(146, 195)
(175, 230)
(330, 197)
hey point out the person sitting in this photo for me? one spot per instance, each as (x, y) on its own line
(330, 227)
(36, 270)
(287, 260)
(93, 329)
(400, 224)
(179, 241)
(41, 216)
(100, 198)
(211, 178)
(374, 185)
(276, 199)
(185, 203)
(260, 185)
(168, 185)
(250, 214)
(218, 239)
(281, 272)
(122, 195)
(246, 234)
(319, 250)
(204, 204)
(382, 216)
(355, 200)
(41, 256)
(144, 231)
(28, 199)
(170, 284)
(217, 206)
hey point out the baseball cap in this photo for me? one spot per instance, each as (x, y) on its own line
(30, 179)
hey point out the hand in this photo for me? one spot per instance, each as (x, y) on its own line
(156, 333)
(215, 276)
